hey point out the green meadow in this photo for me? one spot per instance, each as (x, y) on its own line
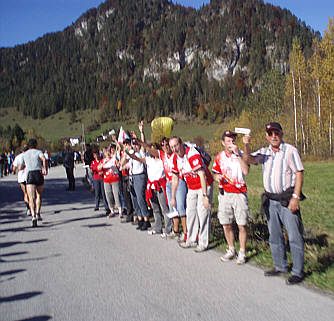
(60, 125)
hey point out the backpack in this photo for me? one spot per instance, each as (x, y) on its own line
(205, 156)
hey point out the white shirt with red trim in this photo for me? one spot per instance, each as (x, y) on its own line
(167, 161)
(187, 167)
(229, 167)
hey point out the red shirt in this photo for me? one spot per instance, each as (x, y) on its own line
(229, 167)
(97, 174)
(187, 167)
(110, 171)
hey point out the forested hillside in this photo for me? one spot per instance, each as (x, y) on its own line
(145, 58)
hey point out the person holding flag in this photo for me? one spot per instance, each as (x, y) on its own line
(229, 171)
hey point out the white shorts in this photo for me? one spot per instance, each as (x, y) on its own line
(233, 204)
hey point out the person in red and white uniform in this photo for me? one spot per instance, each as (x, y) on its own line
(166, 156)
(229, 171)
(98, 181)
(156, 189)
(125, 180)
(188, 164)
(111, 179)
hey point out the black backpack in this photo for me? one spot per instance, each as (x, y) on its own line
(205, 156)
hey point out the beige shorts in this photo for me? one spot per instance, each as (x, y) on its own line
(233, 204)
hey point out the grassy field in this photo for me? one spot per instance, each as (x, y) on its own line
(318, 218)
(59, 125)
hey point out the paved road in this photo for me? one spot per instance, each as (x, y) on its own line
(80, 266)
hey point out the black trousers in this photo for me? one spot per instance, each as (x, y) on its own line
(70, 177)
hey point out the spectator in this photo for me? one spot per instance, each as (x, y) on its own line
(68, 163)
(283, 174)
(188, 164)
(98, 182)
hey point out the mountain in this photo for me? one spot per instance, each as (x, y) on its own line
(145, 58)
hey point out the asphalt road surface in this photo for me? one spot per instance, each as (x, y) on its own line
(79, 265)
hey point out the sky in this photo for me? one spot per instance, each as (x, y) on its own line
(22, 21)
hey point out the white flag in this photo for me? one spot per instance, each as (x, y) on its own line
(122, 135)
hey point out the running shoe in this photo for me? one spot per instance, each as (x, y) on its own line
(241, 259)
(34, 222)
(200, 249)
(228, 256)
(186, 245)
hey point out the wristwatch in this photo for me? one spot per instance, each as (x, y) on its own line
(296, 196)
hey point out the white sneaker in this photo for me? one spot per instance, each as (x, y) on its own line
(241, 258)
(228, 256)
(171, 235)
(186, 245)
(180, 238)
(200, 249)
(163, 236)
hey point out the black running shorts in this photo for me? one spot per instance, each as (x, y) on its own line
(35, 178)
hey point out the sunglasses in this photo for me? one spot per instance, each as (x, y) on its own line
(276, 132)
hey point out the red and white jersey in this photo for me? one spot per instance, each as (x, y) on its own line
(187, 167)
(229, 167)
(167, 161)
(110, 170)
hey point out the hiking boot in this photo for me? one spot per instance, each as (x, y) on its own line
(140, 224)
(145, 226)
(241, 259)
(228, 256)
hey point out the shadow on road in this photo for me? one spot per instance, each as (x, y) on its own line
(18, 297)
(41, 258)
(11, 272)
(38, 318)
(8, 244)
(96, 225)
(15, 253)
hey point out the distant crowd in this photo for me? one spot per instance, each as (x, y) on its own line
(171, 179)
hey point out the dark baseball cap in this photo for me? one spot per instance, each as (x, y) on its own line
(273, 126)
(228, 133)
